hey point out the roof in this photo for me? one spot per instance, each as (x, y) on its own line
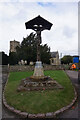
(15, 41)
(38, 23)
(53, 54)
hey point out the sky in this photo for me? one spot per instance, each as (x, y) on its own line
(63, 36)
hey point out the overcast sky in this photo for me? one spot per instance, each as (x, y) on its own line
(63, 35)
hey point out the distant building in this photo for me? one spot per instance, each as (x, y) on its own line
(55, 58)
(13, 45)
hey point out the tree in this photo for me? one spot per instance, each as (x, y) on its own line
(45, 54)
(13, 58)
(4, 58)
(28, 50)
(66, 59)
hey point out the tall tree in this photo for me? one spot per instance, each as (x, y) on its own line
(4, 58)
(28, 50)
(45, 54)
(13, 58)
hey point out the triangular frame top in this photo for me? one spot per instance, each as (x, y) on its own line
(38, 23)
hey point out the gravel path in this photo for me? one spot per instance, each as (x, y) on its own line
(71, 113)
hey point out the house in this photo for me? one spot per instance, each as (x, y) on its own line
(54, 60)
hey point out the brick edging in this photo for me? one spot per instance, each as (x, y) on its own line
(39, 115)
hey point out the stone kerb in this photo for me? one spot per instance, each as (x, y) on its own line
(39, 115)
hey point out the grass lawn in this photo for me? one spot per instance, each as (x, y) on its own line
(37, 101)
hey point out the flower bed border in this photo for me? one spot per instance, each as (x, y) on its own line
(39, 115)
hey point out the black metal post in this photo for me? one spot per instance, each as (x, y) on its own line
(38, 44)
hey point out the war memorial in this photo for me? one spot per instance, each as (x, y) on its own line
(38, 80)
(39, 94)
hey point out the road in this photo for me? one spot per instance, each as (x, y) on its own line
(5, 112)
(74, 111)
(0, 92)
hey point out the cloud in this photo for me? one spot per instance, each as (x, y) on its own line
(68, 32)
(39, 1)
(63, 35)
(45, 4)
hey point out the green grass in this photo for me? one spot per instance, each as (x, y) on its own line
(37, 101)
